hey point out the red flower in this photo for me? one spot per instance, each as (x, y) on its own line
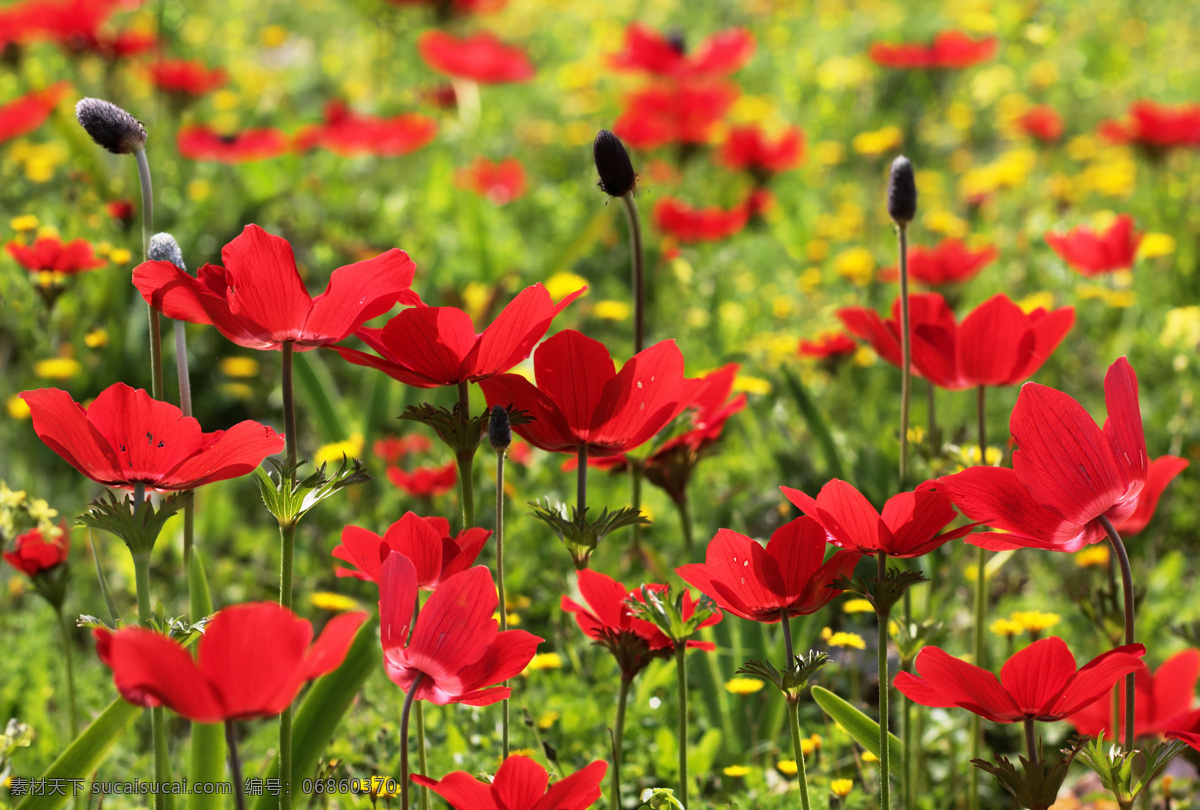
(683, 113)
(456, 649)
(950, 262)
(1066, 474)
(581, 400)
(1156, 126)
(750, 149)
(1162, 701)
(759, 583)
(425, 482)
(829, 346)
(907, 528)
(996, 344)
(127, 438)
(122, 211)
(348, 133)
(185, 78)
(425, 541)
(500, 182)
(1038, 683)
(1043, 123)
(610, 623)
(36, 552)
(690, 225)
(458, 6)
(951, 50)
(204, 143)
(428, 347)
(1094, 253)
(392, 448)
(25, 114)
(481, 58)
(251, 662)
(519, 784)
(1160, 473)
(651, 52)
(258, 300)
(1191, 738)
(51, 253)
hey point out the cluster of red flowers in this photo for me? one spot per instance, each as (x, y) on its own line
(78, 26)
(950, 50)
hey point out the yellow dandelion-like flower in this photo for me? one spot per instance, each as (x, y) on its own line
(57, 368)
(1156, 244)
(334, 452)
(548, 719)
(523, 752)
(609, 310)
(561, 285)
(239, 367)
(1006, 628)
(96, 339)
(25, 222)
(384, 786)
(877, 142)
(867, 756)
(840, 639)
(858, 606)
(864, 357)
(1092, 555)
(787, 767)
(120, 256)
(751, 385)
(916, 434)
(1038, 300)
(199, 190)
(736, 771)
(856, 265)
(816, 741)
(1035, 621)
(743, 686)
(807, 747)
(544, 661)
(336, 602)
(273, 36)
(809, 280)
(841, 787)
(829, 153)
(17, 409)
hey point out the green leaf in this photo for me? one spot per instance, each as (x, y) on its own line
(85, 753)
(816, 423)
(208, 739)
(863, 729)
(321, 396)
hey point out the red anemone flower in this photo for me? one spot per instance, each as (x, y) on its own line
(949, 262)
(481, 58)
(425, 482)
(205, 143)
(1191, 738)
(425, 541)
(519, 784)
(456, 651)
(759, 584)
(347, 133)
(1067, 474)
(581, 400)
(125, 438)
(749, 148)
(690, 225)
(1038, 683)
(951, 50)
(908, 526)
(1162, 701)
(122, 211)
(36, 551)
(500, 182)
(250, 662)
(427, 347)
(183, 77)
(608, 620)
(51, 253)
(830, 346)
(1160, 473)
(258, 300)
(650, 52)
(392, 448)
(1043, 123)
(996, 344)
(1156, 126)
(25, 114)
(1094, 254)
(684, 113)
(458, 6)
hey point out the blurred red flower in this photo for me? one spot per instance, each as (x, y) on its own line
(204, 143)
(949, 262)
(456, 651)
(425, 482)
(690, 225)
(481, 58)
(348, 134)
(1038, 683)
(749, 148)
(51, 253)
(184, 77)
(1043, 123)
(392, 448)
(78, 26)
(251, 661)
(28, 112)
(650, 52)
(1162, 701)
(126, 438)
(122, 211)
(1094, 254)
(1156, 126)
(425, 541)
(519, 784)
(259, 301)
(829, 346)
(457, 6)
(1160, 473)
(500, 182)
(951, 50)
(36, 551)
(683, 113)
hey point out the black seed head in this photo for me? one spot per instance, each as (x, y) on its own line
(617, 177)
(110, 126)
(499, 429)
(164, 248)
(902, 192)
(677, 42)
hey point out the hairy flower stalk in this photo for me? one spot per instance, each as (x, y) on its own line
(141, 572)
(1127, 587)
(500, 437)
(979, 647)
(793, 709)
(466, 462)
(287, 543)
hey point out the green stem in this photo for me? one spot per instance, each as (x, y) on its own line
(884, 686)
(581, 482)
(466, 464)
(981, 607)
(618, 741)
(685, 521)
(141, 575)
(408, 701)
(1031, 741)
(421, 761)
(504, 709)
(66, 638)
(287, 540)
(1127, 586)
(156, 365)
(235, 765)
(793, 709)
(635, 478)
(639, 273)
(906, 355)
(681, 673)
(185, 405)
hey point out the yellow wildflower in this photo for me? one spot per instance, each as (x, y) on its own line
(743, 686)
(1092, 555)
(856, 265)
(841, 787)
(1156, 244)
(199, 190)
(867, 756)
(807, 746)
(1038, 300)
(239, 367)
(751, 385)
(1035, 621)
(96, 339)
(57, 368)
(1182, 329)
(970, 456)
(816, 741)
(829, 153)
(544, 661)
(561, 285)
(17, 409)
(787, 767)
(816, 250)
(273, 36)
(877, 142)
(334, 452)
(120, 256)
(736, 771)
(1006, 627)
(336, 602)
(236, 390)
(858, 606)
(843, 73)
(945, 223)
(25, 222)
(840, 639)
(610, 310)
(548, 718)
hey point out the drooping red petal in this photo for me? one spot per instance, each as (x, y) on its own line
(63, 425)
(177, 295)
(819, 591)
(1159, 474)
(573, 370)
(507, 657)
(1036, 675)
(357, 293)
(515, 331)
(1097, 678)
(575, 792)
(1123, 428)
(432, 341)
(1174, 685)
(363, 549)
(397, 600)
(866, 324)
(549, 429)
(995, 497)
(235, 452)
(151, 670)
(413, 537)
(463, 791)
(606, 597)
(520, 783)
(393, 369)
(952, 682)
(455, 627)
(744, 578)
(264, 285)
(459, 553)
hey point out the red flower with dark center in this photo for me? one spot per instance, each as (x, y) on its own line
(684, 113)
(581, 400)
(996, 344)
(481, 58)
(519, 784)
(77, 25)
(1156, 126)
(759, 584)
(1163, 701)
(1094, 254)
(425, 541)
(425, 482)
(500, 182)
(251, 662)
(829, 346)
(429, 347)
(51, 253)
(258, 300)
(949, 262)
(690, 225)
(608, 620)
(908, 526)
(205, 143)
(456, 649)
(126, 438)
(25, 114)
(1160, 473)
(1067, 473)
(749, 148)
(650, 52)
(951, 50)
(1038, 683)
(1042, 123)
(36, 551)
(185, 77)
(349, 134)
(458, 6)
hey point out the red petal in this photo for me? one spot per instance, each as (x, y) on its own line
(63, 425)
(516, 330)
(1123, 428)
(743, 577)
(915, 518)
(413, 537)
(577, 791)
(434, 342)
(149, 669)
(520, 783)
(573, 370)
(647, 393)
(847, 516)
(1096, 679)
(819, 593)
(507, 657)
(994, 496)
(388, 367)
(264, 286)
(1174, 685)
(397, 600)
(866, 324)
(357, 293)
(1036, 676)
(455, 627)
(606, 597)
(151, 437)
(797, 549)
(236, 452)
(329, 650)
(363, 549)
(956, 683)
(549, 429)
(197, 300)
(462, 790)
(723, 52)
(994, 342)
(1048, 331)
(1160, 473)
(1188, 737)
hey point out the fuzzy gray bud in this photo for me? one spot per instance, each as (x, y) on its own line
(499, 429)
(164, 248)
(110, 126)
(902, 192)
(617, 177)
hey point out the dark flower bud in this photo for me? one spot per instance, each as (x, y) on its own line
(164, 248)
(676, 41)
(902, 192)
(617, 177)
(110, 126)
(499, 429)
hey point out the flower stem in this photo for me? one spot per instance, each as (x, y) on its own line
(1127, 587)
(1031, 741)
(404, 774)
(683, 505)
(635, 478)
(156, 366)
(141, 574)
(235, 765)
(466, 464)
(981, 607)
(639, 273)
(66, 638)
(500, 586)
(421, 762)
(185, 405)
(618, 741)
(884, 686)
(287, 540)
(793, 709)
(681, 673)
(906, 354)
(788, 650)
(581, 481)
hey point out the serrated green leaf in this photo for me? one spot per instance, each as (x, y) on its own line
(863, 729)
